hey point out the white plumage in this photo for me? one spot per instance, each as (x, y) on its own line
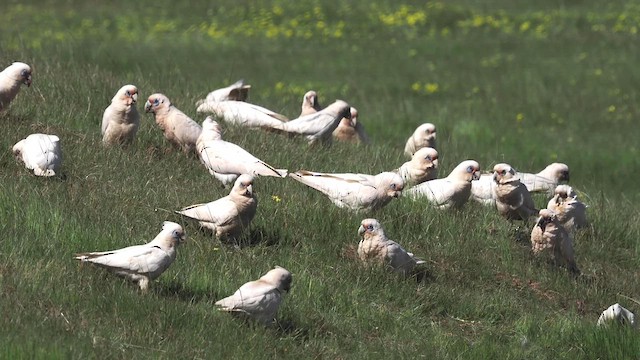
(617, 314)
(422, 167)
(238, 91)
(121, 120)
(423, 136)
(451, 191)
(310, 103)
(572, 213)
(242, 113)
(11, 78)
(41, 153)
(513, 200)
(141, 263)
(178, 128)
(547, 179)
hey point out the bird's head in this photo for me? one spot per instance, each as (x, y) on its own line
(546, 217)
(392, 183)
(175, 231)
(127, 94)
(425, 132)
(212, 129)
(370, 227)
(502, 173)
(559, 171)
(280, 278)
(426, 158)
(156, 102)
(467, 170)
(310, 99)
(20, 72)
(243, 186)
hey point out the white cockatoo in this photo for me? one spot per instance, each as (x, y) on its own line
(422, 167)
(513, 200)
(242, 113)
(141, 263)
(617, 314)
(238, 91)
(260, 299)
(423, 136)
(548, 235)
(310, 103)
(572, 213)
(451, 191)
(121, 120)
(41, 153)
(11, 78)
(178, 128)
(547, 179)
(351, 130)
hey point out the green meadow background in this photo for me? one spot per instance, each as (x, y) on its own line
(522, 82)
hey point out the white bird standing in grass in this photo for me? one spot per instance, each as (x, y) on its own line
(41, 153)
(260, 299)
(354, 191)
(451, 191)
(227, 217)
(513, 200)
(351, 130)
(423, 136)
(141, 263)
(617, 314)
(121, 120)
(310, 103)
(316, 127)
(572, 213)
(11, 78)
(375, 247)
(225, 160)
(242, 113)
(547, 179)
(422, 167)
(549, 235)
(238, 91)
(178, 128)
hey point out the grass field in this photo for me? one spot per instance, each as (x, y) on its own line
(527, 83)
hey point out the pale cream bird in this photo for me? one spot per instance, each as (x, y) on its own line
(547, 179)
(310, 103)
(616, 314)
(351, 130)
(452, 191)
(317, 127)
(572, 213)
(178, 128)
(483, 190)
(422, 167)
(226, 160)
(41, 153)
(238, 91)
(513, 200)
(242, 113)
(423, 136)
(11, 78)
(227, 217)
(121, 120)
(375, 247)
(260, 299)
(141, 263)
(354, 191)
(548, 235)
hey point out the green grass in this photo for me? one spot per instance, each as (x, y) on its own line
(526, 83)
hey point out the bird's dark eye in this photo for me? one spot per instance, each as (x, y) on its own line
(428, 157)
(128, 93)
(393, 186)
(470, 169)
(504, 172)
(370, 227)
(156, 102)
(24, 73)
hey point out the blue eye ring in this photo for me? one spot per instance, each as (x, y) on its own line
(156, 102)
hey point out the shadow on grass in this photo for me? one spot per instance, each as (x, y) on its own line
(256, 236)
(178, 291)
(289, 327)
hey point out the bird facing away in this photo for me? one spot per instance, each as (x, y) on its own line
(227, 217)
(351, 130)
(513, 200)
(259, 299)
(617, 314)
(121, 120)
(375, 247)
(41, 153)
(572, 213)
(450, 192)
(423, 136)
(238, 91)
(422, 167)
(225, 160)
(354, 191)
(141, 263)
(548, 235)
(316, 127)
(242, 113)
(310, 103)
(178, 128)
(11, 78)
(547, 179)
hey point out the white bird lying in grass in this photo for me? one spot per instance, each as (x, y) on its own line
(548, 235)
(316, 127)
(617, 314)
(375, 247)
(242, 113)
(354, 191)
(11, 78)
(451, 191)
(422, 167)
(141, 263)
(120, 121)
(178, 128)
(351, 130)
(483, 190)
(238, 91)
(260, 299)
(423, 136)
(310, 103)
(572, 213)
(513, 200)
(227, 217)
(225, 160)
(547, 179)
(41, 153)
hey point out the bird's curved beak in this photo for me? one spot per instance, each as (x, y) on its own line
(361, 230)
(147, 106)
(27, 81)
(476, 175)
(134, 98)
